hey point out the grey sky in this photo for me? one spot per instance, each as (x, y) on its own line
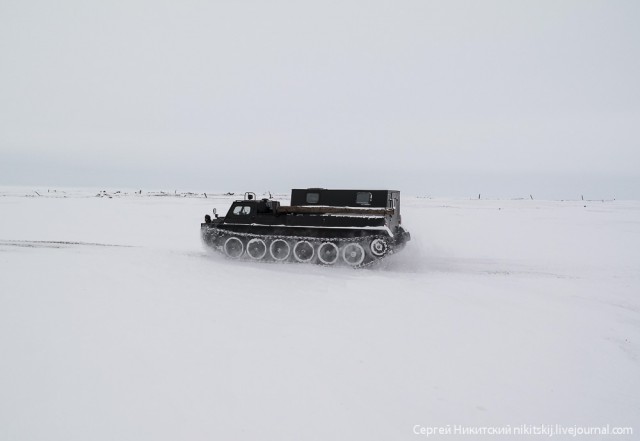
(429, 97)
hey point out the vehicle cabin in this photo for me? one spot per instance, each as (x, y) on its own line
(321, 207)
(251, 207)
(389, 199)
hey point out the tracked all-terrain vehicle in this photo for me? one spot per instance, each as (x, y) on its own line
(328, 227)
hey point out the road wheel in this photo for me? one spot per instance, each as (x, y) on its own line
(353, 254)
(280, 250)
(303, 251)
(233, 247)
(256, 249)
(328, 253)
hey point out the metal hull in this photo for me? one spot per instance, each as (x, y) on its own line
(353, 247)
(328, 227)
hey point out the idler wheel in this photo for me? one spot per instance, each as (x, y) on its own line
(303, 251)
(379, 247)
(353, 254)
(256, 248)
(328, 253)
(280, 250)
(233, 247)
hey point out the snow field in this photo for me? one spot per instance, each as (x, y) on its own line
(497, 312)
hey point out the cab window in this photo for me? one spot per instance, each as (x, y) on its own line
(363, 198)
(313, 198)
(240, 210)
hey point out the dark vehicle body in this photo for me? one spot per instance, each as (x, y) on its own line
(319, 225)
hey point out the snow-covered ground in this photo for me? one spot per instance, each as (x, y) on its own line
(116, 323)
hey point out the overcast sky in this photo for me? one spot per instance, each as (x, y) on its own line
(430, 97)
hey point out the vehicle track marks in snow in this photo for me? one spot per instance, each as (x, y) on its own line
(472, 266)
(53, 244)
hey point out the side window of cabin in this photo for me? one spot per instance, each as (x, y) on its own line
(313, 198)
(241, 210)
(363, 198)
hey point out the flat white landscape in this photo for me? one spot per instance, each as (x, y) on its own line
(117, 324)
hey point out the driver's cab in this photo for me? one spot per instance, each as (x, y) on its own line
(245, 211)
(241, 211)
